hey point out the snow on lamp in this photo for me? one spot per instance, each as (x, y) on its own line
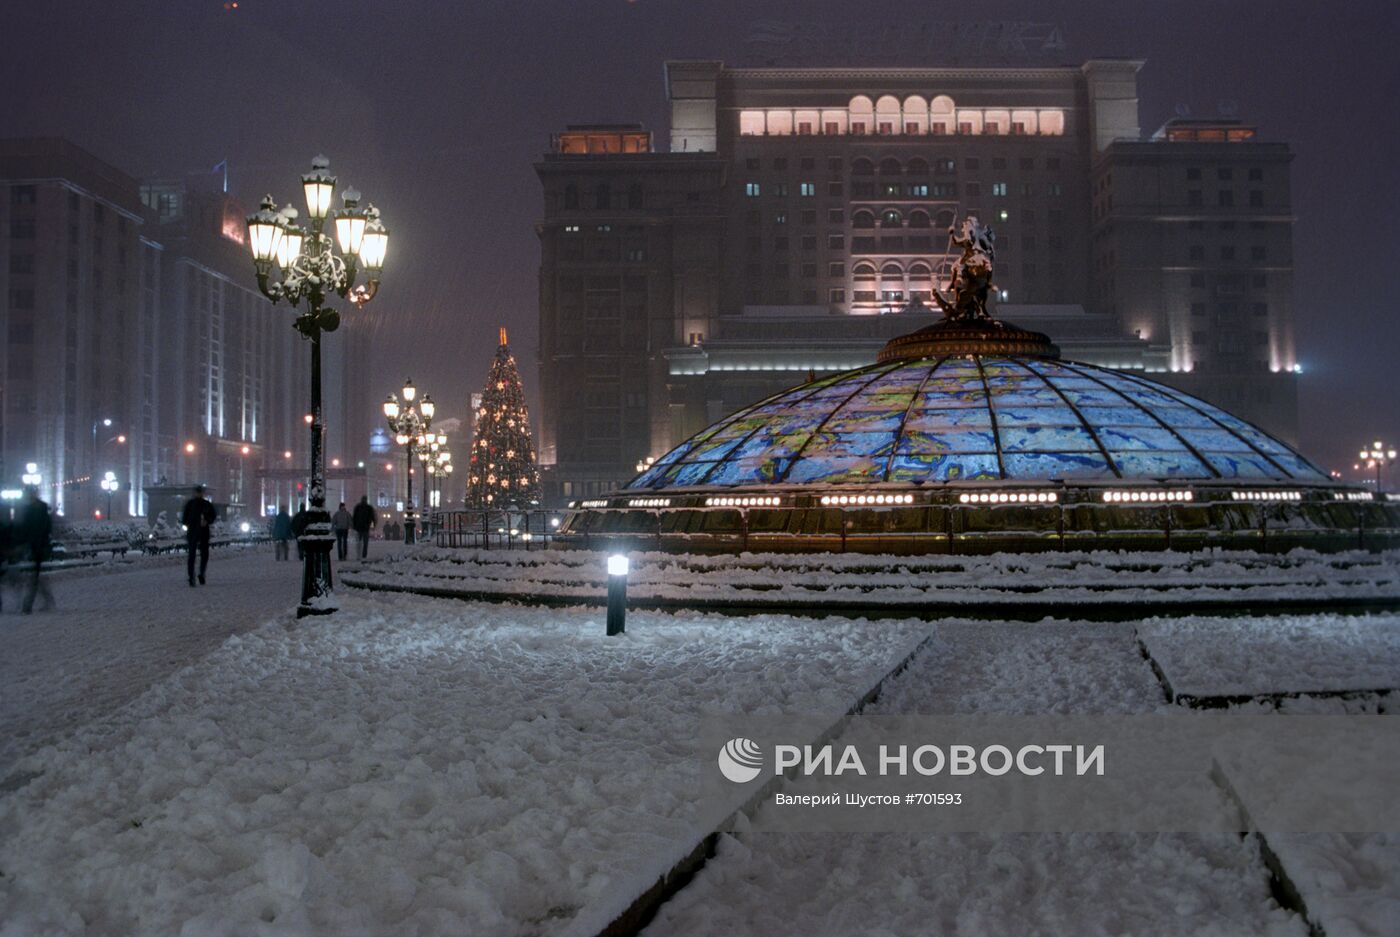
(319, 186)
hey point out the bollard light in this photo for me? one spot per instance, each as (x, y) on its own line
(617, 594)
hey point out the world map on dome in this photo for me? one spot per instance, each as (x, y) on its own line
(972, 417)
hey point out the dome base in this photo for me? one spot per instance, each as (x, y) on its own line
(969, 337)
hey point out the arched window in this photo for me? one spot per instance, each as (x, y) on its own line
(602, 196)
(634, 195)
(833, 122)
(969, 121)
(919, 270)
(890, 167)
(918, 219)
(571, 196)
(891, 218)
(887, 115)
(862, 115)
(862, 167)
(942, 116)
(863, 219)
(806, 123)
(892, 271)
(945, 218)
(915, 115)
(918, 166)
(863, 271)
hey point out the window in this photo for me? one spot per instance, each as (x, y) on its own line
(752, 162)
(809, 216)
(1193, 197)
(22, 263)
(836, 269)
(972, 162)
(1257, 252)
(918, 190)
(973, 189)
(1197, 252)
(833, 163)
(1256, 174)
(1198, 309)
(1225, 198)
(939, 127)
(809, 242)
(1052, 162)
(571, 229)
(1055, 188)
(1256, 198)
(1198, 280)
(944, 166)
(891, 218)
(780, 217)
(833, 189)
(857, 128)
(752, 189)
(634, 195)
(807, 189)
(571, 196)
(780, 163)
(999, 162)
(21, 299)
(945, 190)
(863, 219)
(603, 196)
(22, 195)
(1224, 174)
(831, 128)
(890, 189)
(836, 296)
(809, 270)
(780, 189)
(804, 128)
(886, 128)
(835, 242)
(1227, 252)
(1193, 173)
(998, 188)
(636, 254)
(836, 215)
(22, 229)
(1027, 189)
(780, 244)
(1259, 309)
(807, 162)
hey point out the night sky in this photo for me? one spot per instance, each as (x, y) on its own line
(436, 112)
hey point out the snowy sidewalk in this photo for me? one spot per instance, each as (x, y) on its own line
(118, 630)
(406, 766)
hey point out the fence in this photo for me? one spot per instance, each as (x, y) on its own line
(492, 530)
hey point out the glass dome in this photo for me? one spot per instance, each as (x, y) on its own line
(971, 417)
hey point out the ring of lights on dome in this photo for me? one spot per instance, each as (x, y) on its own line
(971, 435)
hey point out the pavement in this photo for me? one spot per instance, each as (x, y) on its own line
(116, 631)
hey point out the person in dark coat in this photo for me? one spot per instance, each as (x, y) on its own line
(198, 518)
(282, 533)
(35, 526)
(340, 523)
(299, 521)
(363, 520)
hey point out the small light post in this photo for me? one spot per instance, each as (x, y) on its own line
(617, 594)
(409, 423)
(1377, 456)
(109, 485)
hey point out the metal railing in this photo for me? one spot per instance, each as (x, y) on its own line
(491, 530)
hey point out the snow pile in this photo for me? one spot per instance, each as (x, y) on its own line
(834, 579)
(405, 767)
(1204, 657)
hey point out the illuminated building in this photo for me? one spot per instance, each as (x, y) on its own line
(798, 212)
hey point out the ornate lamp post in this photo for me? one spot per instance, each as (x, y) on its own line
(409, 423)
(109, 485)
(311, 269)
(1377, 456)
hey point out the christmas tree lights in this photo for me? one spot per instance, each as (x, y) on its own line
(502, 471)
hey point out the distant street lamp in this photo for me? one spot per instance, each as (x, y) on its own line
(109, 485)
(1377, 456)
(409, 423)
(312, 270)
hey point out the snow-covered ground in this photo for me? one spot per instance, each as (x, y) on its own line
(1205, 657)
(835, 579)
(1085, 884)
(407, 766)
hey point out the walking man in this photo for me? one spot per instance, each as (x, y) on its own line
(299, 521)
(35, 526)
(198, 518)
(363, 522)
(282, 534)
(340, 522)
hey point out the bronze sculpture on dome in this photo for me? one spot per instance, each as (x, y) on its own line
(971, 282)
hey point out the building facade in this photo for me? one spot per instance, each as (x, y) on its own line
(800, 220)
(137, 343)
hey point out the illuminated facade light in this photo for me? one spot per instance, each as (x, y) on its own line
(1148, 496)
(649, 503)
(752, 501)
(1255, 495)
(881, 499)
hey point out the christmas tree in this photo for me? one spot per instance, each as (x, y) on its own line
(502, 472)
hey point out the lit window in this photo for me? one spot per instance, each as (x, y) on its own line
(752, 189)
(807, 189)
(998, 188)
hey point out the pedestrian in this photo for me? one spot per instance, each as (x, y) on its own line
(6, 544)
(35, 526)
(340, 523)
(198, 518)
(282, 533)
(299, 521)
(363, 521)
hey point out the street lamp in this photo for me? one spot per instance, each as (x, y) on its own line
(311, 269)
(109, 485)
(1377, 456)
(409, 422)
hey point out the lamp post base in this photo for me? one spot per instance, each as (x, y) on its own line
(410, 530)
(317, 597)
